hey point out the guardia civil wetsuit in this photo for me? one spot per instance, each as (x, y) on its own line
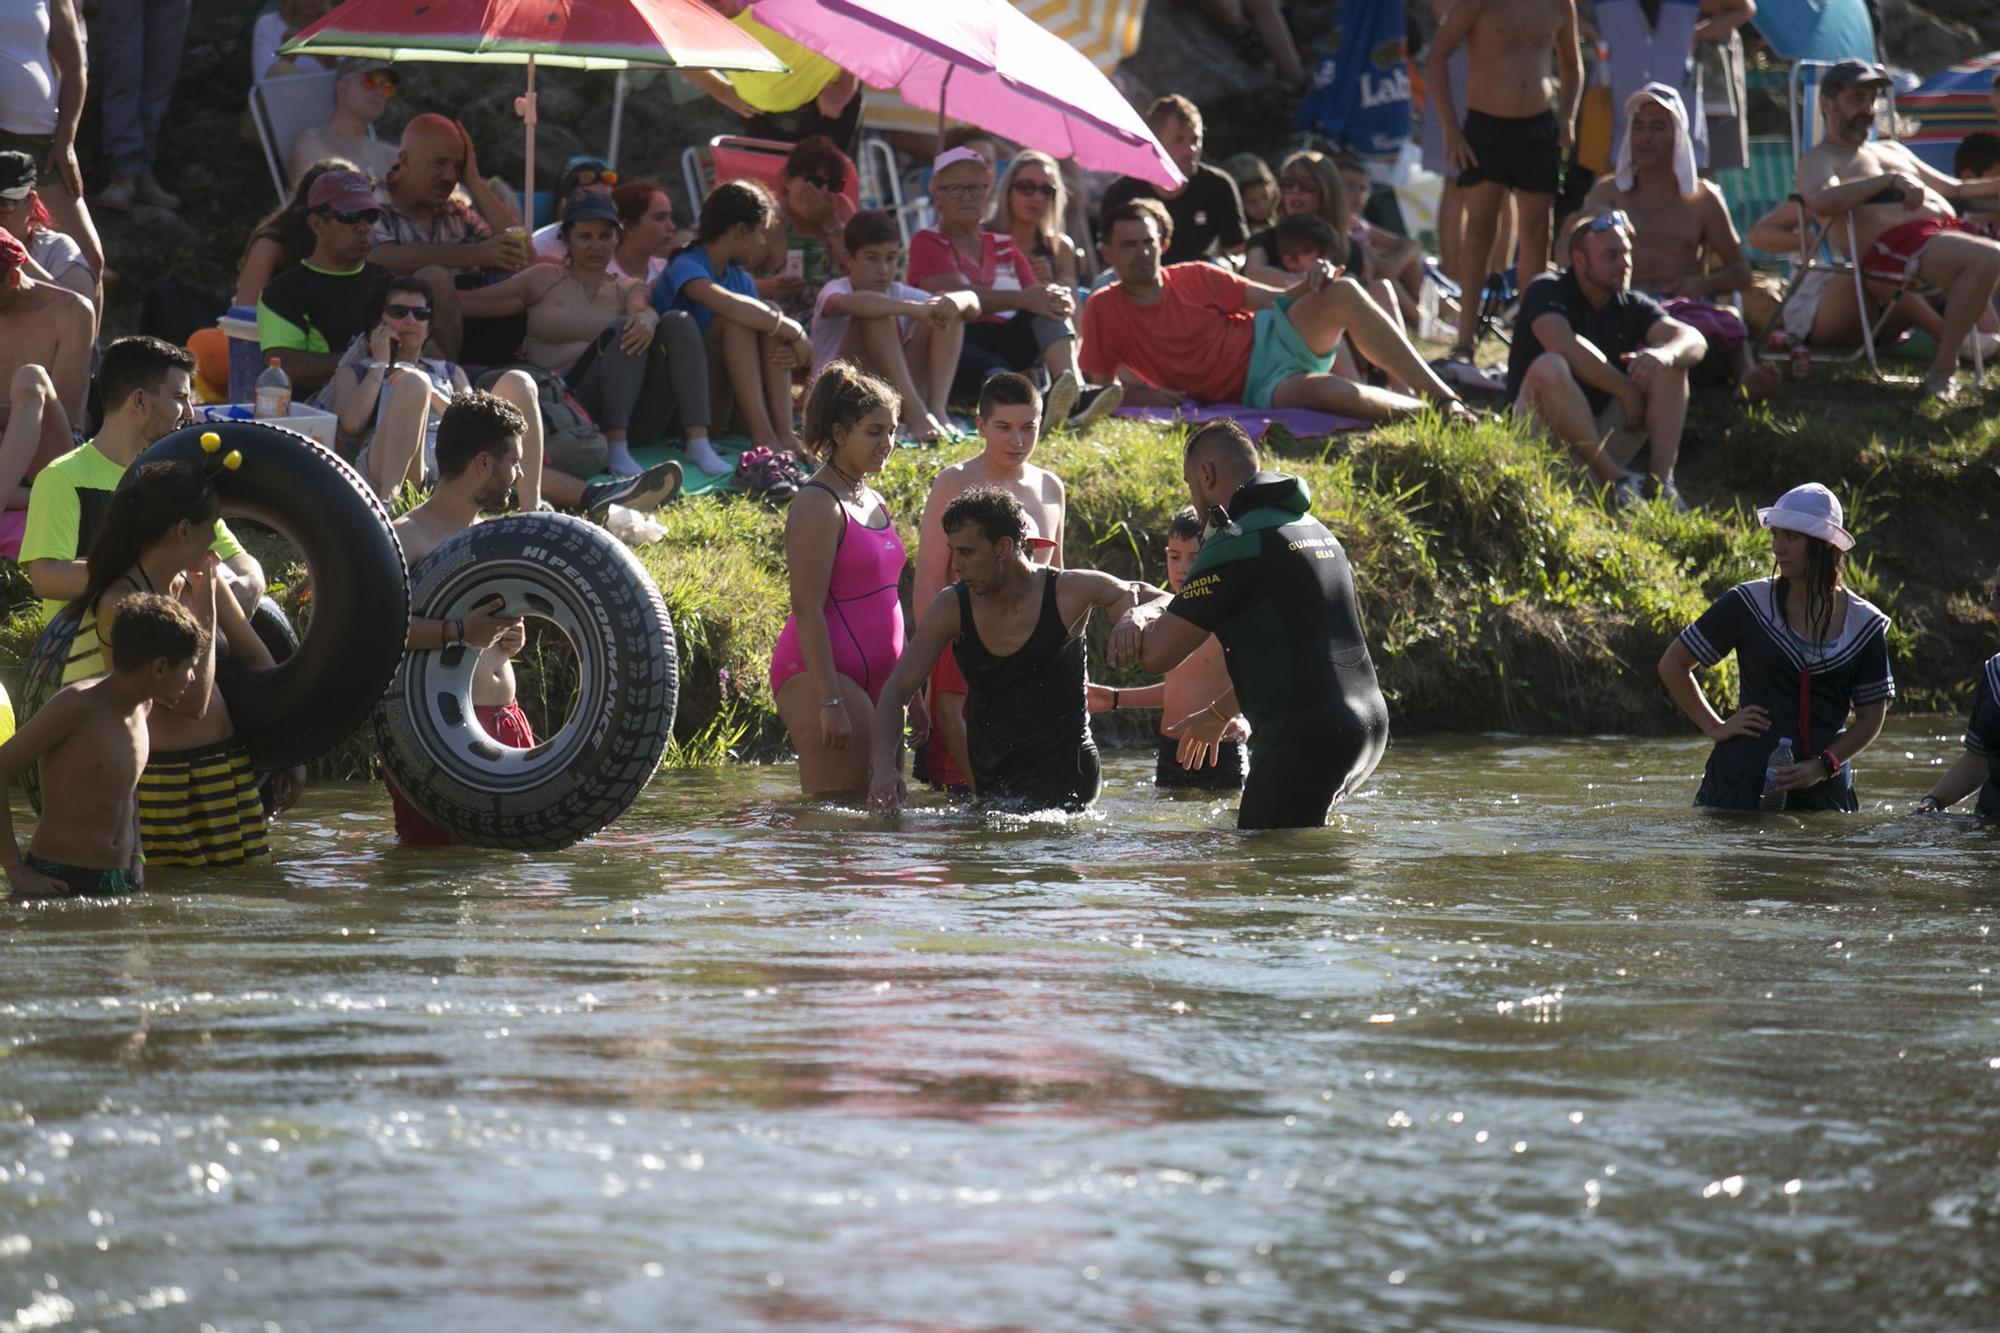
(1274, 587)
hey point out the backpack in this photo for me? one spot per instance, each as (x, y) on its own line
(571, 441)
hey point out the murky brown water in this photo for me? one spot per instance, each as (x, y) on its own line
(1522, 1041)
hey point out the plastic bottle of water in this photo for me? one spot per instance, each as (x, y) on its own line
(1773, 799)
(274, 393)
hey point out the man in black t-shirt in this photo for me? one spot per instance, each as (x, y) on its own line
(1207, 211)
(1592, 356)
(309, 313)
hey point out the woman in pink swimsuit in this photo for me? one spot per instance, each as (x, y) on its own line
(845, 562)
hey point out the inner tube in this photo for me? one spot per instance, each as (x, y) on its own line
(317, 695)
(567, 786)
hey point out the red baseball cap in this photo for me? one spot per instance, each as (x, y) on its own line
(343, 192)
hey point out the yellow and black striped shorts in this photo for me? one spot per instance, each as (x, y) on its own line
(199, 807)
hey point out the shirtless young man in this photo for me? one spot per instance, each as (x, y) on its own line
(479, 460)
(1902, 211)
(1010, 420)
(1680, 223)
(45, 337)
(1199, 685)
(1524, 77)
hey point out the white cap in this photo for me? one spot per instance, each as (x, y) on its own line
(1810, 509)
(951, 157)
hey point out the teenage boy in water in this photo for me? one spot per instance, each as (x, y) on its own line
(92, 745)
(1010, 420)
(479, 460)
(1200, 684)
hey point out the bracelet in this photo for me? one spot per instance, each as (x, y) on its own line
(1929, 805)
(1220, 716)
(834, 702)
(454, 632)
(778, 322)
(1833, 764)
(1114, 701)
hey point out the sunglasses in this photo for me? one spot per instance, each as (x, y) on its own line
(1029, 187)
(371, 216)
(831, 184)
(1298, 187)
(594, 176)
(1606, 221)
(422, 312)
(376, 81)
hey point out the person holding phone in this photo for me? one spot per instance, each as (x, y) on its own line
(478, 460)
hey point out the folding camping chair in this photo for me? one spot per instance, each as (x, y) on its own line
(284, 108)
(1816, 254)
(732, 157)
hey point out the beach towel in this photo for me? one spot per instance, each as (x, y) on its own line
(1302, 423)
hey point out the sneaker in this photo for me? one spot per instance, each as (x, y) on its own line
(152, 192)
(1669, 493)
(1627, 492)
(1093, 405)
(1459, 369)
(644, 493)
(1059, 401)
(116, 196)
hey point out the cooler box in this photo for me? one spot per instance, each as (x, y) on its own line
(246, 360)
(309, 421)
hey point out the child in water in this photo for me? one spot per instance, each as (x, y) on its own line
(1978, 769)
(1808, 651)
(1199, 684)
(91, 742)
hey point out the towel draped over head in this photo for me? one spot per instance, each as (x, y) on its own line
(1670, 98)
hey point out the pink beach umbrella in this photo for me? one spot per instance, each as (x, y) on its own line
(984, 62)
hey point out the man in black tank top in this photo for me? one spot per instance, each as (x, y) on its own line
(1017, 629)
(1275, 587)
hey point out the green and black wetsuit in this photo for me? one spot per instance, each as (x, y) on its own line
(1275, 587)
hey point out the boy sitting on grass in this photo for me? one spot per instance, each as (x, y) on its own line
(1198, 685)
(92, 745)
(891, 329)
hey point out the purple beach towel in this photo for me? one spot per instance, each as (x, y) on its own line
(1301, 422)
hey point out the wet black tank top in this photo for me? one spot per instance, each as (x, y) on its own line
(1027, 729)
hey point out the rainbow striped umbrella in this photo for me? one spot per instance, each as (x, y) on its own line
(578, 34)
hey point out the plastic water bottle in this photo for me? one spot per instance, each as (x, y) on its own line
(1773, 799)
(274, 393)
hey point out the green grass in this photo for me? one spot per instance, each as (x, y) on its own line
(1497, 588)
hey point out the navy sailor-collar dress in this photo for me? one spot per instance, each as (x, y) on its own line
(1807, 687)
(1982, 734)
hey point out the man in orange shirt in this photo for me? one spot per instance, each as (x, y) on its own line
(1202, 332)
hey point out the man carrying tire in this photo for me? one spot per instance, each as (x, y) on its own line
(479, 460)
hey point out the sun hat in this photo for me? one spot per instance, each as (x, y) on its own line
(951, 157)
(589, 206)
(1811, 510)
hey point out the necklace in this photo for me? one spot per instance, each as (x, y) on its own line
(854, 487)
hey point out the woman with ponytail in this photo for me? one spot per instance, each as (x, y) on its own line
(198, 798)
(844, 562)
(1808, 652)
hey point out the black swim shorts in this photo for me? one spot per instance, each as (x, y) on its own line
(1519, 152)
(1226, 775)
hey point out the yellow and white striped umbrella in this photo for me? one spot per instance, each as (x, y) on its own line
(1104, 30)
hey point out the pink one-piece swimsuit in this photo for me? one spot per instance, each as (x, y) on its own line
(864, 616)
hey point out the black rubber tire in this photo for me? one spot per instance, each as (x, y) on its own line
(574, 783)
(295, 712)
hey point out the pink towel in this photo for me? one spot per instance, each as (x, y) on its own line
(13, 526)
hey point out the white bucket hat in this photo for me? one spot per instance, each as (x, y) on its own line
(1810, 509)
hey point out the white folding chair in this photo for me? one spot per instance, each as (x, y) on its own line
(282, 109)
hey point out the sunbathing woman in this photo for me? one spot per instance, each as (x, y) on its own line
(1808, 651)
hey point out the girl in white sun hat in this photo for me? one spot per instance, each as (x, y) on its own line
(1808, 651)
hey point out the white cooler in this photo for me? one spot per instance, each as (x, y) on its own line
(311, 421)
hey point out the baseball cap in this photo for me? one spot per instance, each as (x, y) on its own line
(17, 174)
(358, 65)
(342, 191)
(589, 206)
(1851, 74)
(951, 157)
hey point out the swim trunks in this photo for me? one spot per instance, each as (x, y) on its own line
(1897, 251)
(1274, 587)
(505, 723)
(1227, 775)
(864, 616)
(199, 807)
(1519, 152)
(82, 881)
(1027, 728)
(1277, 354)
(939, 768)
(1722, 329)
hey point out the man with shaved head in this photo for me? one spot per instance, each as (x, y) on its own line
(427, 230)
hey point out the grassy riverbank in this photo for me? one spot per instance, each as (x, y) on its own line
(1499, 590)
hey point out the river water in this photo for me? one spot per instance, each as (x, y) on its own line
(1520, 1041)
